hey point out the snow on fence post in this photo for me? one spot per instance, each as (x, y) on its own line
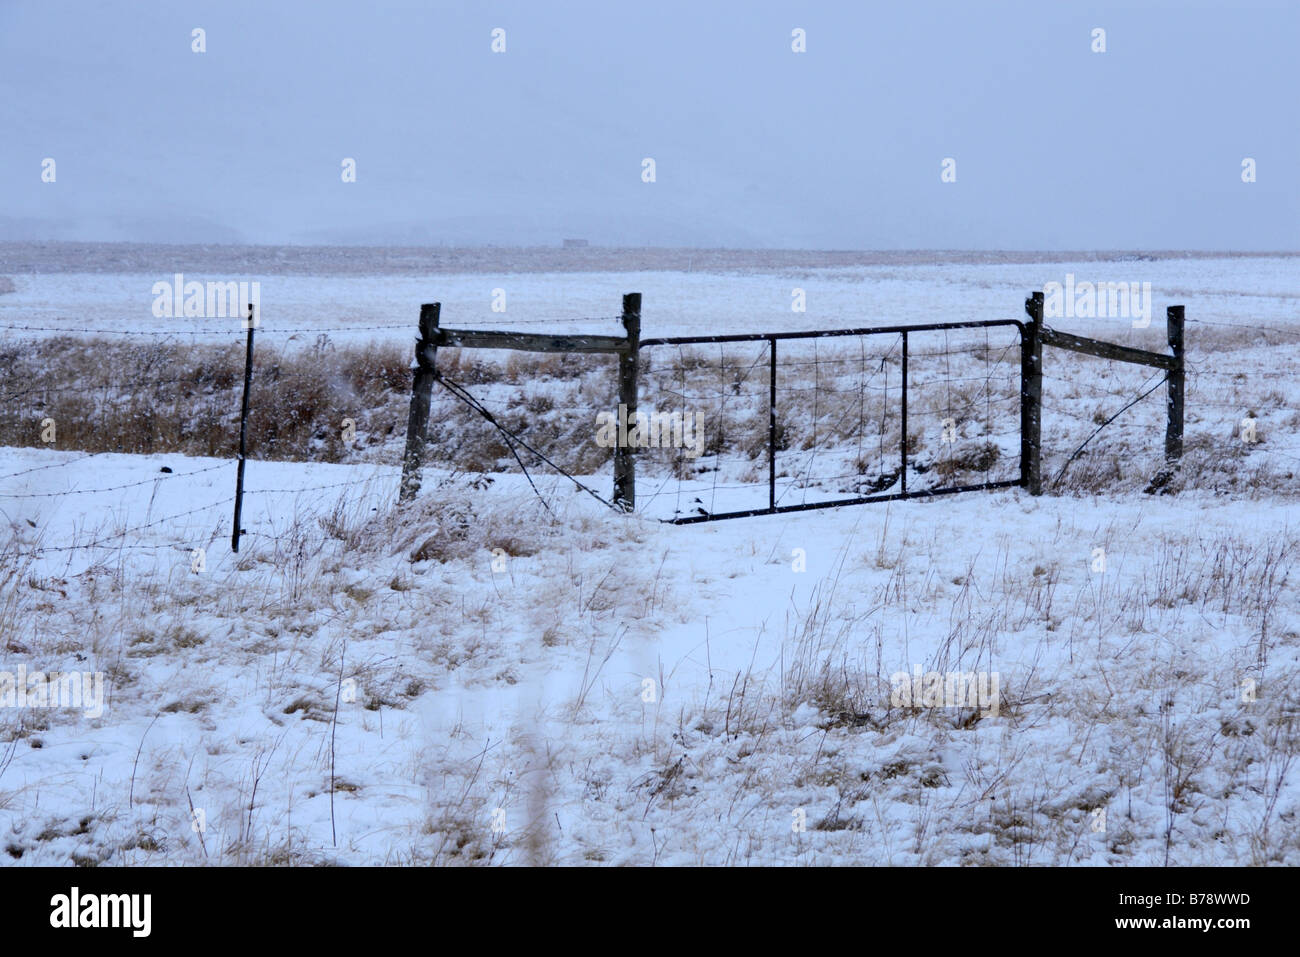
(1031, 397)
(417, 422)
(628, 367)
(1177, 380)
(243, 433)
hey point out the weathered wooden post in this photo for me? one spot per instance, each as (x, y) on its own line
(628, 364)
(1177, 381)
(417, 422)
(1031, 397)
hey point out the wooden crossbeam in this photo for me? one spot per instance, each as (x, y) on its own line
(1105, 350)
(529, 342)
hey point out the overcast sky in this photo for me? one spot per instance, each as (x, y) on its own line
(1056, 147)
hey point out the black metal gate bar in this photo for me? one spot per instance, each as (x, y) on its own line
(809, 506)
(826, 334)
(771, 426)
(902, 444)
(771, 339)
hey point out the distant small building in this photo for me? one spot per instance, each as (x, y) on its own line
(575, 243)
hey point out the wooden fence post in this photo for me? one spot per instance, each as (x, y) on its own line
(628, 365)
(1177, 381)
(1031, 397)
(417, 422)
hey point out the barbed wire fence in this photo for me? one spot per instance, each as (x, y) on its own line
(70, 388)
(1101, 415)
(76, 393)
(836, 434)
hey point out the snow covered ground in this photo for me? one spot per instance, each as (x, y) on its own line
(477, 679)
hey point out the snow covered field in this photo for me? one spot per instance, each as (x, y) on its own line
(478, 680)
(745, 298)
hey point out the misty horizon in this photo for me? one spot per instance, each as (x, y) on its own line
(756, 146)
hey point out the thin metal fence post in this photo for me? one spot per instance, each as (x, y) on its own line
(243, 432)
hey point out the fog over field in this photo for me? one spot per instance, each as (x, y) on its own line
(1056, 146)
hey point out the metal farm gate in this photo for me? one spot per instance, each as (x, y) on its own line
(806, 376)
